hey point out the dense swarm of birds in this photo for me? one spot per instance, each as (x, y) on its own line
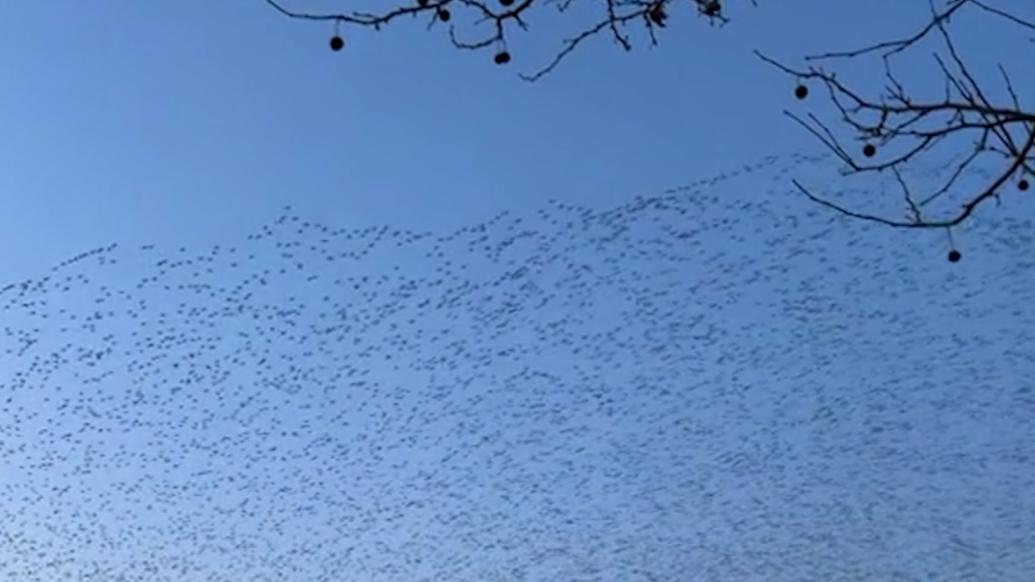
(720, 382)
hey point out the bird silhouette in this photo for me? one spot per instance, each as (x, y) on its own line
(718, 382)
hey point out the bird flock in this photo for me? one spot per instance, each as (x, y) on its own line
(719, 382)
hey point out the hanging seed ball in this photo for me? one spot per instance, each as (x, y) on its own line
(657, 15)
(443, 15)
(506, 2)
(954, 256)
(502, 58)
(422, 3)
(869, 150)
(337, 43)
(1023, 185)
(801, 91)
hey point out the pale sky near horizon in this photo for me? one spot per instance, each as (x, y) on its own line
(576, 330)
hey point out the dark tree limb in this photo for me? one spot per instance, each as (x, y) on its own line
(911, 127)
(904, 127)
(493, 20)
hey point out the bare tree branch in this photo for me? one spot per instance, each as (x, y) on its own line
(493, 21)
(913, 127)
(901, 127)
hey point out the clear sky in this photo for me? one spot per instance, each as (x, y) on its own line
(506, 331)
(192, 121)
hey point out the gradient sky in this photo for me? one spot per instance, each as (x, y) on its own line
(192, 121)
(470, 350)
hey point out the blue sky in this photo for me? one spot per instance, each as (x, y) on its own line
(189, 120)
(507, 331)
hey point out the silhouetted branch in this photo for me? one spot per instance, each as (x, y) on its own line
(493, 22)
(909, 127)
(915, 126)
